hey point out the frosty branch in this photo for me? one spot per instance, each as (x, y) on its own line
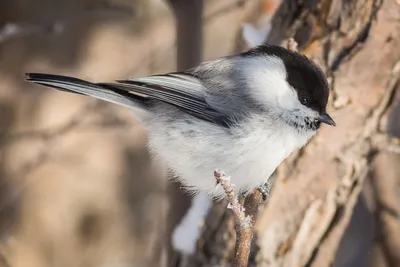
(245, 217)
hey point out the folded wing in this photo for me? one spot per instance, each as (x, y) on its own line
(181, 90)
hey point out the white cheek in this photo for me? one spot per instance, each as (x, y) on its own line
(307, 112)
(267, 79)
(288, 100)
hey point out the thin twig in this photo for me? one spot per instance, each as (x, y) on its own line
(244, 220)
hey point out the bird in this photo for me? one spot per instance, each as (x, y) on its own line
(242, 113)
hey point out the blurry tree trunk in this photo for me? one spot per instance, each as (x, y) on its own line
(189, 38)
(189, 30)
(357, 45)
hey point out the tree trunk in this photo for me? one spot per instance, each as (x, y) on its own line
(315, 192)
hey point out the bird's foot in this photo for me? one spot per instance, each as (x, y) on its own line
(264, 190)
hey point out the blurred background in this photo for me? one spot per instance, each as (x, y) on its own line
(77, 186)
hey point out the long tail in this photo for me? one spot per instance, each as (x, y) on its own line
(104, 92)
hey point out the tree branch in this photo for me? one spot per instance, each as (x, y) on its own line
(244, 220)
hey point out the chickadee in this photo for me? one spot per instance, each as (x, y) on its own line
(243, 114)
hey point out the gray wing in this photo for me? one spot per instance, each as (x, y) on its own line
(183, 90)
(205, 92)
(209, 91)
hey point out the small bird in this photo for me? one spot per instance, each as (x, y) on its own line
(243, 114)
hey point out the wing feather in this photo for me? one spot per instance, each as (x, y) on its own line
(178, 89)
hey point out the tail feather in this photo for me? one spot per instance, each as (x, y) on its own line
(101, 91)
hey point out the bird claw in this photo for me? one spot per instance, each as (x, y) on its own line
(264, 190)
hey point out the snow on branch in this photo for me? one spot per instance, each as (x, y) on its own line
(244, 222)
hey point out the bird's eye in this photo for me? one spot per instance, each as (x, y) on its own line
(304, 100)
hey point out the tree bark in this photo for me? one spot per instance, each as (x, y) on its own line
(356, 44)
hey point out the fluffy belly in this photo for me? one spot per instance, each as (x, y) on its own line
(193, 150)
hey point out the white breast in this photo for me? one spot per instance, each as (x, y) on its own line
(194, 149)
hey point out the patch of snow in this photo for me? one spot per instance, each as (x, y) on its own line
(9, 30)
(255, 36)
(186, 233)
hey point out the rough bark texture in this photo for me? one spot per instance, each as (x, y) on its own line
(316, 190)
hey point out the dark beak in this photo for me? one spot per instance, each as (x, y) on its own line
(325, 118)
